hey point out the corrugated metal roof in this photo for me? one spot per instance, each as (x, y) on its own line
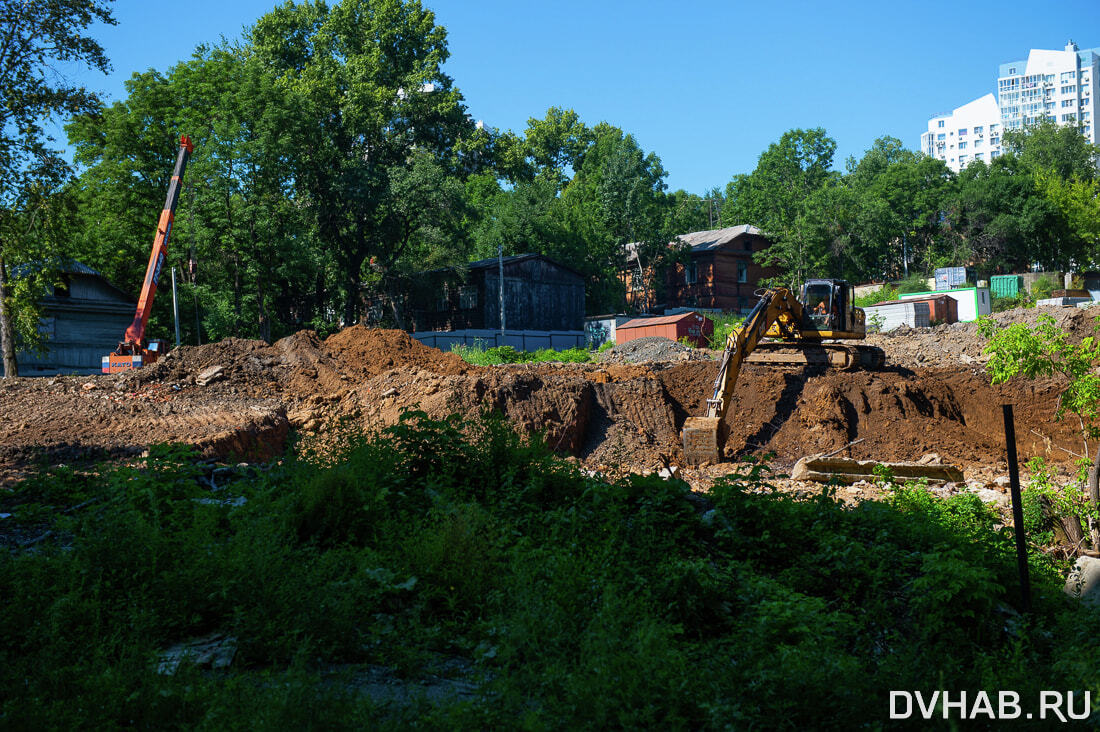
(701, 241)
(663, 320)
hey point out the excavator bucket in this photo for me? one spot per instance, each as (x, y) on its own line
(703, 438)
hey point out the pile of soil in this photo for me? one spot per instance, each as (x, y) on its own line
(622, 416)
(960, 344)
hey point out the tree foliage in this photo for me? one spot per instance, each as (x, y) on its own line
(35, 37)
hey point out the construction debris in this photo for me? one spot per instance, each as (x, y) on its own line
(213, 651)
(847, 471)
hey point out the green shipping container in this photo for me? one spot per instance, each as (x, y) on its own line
(1005, 285)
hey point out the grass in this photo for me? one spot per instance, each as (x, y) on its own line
(569, 601)
(724, 323)
(507, 354)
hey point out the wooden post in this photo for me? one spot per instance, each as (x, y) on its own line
(1017, 508)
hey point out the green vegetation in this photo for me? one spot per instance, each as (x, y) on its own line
(1044, 351)
(884, 293)
(567, 601)
(506, 354)
(724, 323)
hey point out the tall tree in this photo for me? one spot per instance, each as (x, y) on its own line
(373, 101)
(36, 36)
(1059, 149)
(774, 195)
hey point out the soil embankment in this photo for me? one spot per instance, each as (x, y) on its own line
(616, 414)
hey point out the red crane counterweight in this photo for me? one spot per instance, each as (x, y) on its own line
(134, 351)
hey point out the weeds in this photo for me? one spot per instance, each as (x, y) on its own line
(573, 601)
(507, 354)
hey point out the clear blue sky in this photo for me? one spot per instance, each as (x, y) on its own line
(706, 85)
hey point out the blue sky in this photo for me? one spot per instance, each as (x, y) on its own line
(706, 85)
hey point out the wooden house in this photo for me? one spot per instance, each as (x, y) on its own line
(720, 273)
(83, 319)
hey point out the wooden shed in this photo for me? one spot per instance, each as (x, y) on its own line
(538, 294)
(83, 319)
(691, 326)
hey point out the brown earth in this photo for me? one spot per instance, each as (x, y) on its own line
(610, 415)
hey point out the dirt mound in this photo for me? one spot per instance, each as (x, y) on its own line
(960, 343)
(368, 352)
(623, 415)
(650, 348)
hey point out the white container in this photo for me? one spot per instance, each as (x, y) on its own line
(890, 316)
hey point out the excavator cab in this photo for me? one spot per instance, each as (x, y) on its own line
(827, 306)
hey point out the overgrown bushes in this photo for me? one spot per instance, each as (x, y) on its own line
(574, 601)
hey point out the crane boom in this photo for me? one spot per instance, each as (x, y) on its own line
(132, 351)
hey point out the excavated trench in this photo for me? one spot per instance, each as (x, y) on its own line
(627, 416)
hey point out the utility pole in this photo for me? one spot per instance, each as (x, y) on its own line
(175, 307)
(904, 254)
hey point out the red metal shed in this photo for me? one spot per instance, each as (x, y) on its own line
(692, 326)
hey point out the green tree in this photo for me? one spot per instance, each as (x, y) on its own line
(615, 198)
(35, 37)
(1060, 149)
(774, 196)
(1001, 217)
(1044, 351)
(366, 78)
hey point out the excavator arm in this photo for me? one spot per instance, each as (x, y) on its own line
(779, 311)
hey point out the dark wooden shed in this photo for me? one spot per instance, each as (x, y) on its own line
(539, 294)
(83, 319)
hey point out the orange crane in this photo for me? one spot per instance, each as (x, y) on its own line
(134, 351)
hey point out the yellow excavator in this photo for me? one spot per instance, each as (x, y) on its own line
(806, 330)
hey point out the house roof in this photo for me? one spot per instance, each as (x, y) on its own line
(701, 241)
(705, 240)
(663, 320)
(69, 267)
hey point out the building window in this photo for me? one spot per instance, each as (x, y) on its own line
(962, 144)
(940, 123)
(995, 154)
(962, 132)
(1069, 102)
(979, 156)
(978, 130)
(941, 136)
(1071, 117)
(742, 272)
(467, 298)
(691, 273)
(962, 159)
(977, 143)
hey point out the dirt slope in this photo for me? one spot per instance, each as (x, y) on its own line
(606, 414)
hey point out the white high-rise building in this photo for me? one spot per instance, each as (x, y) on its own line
(1057, 85)
(971, 132)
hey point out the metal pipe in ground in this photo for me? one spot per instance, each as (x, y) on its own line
(1017, 508)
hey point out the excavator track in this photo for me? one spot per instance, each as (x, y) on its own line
(840, 356)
